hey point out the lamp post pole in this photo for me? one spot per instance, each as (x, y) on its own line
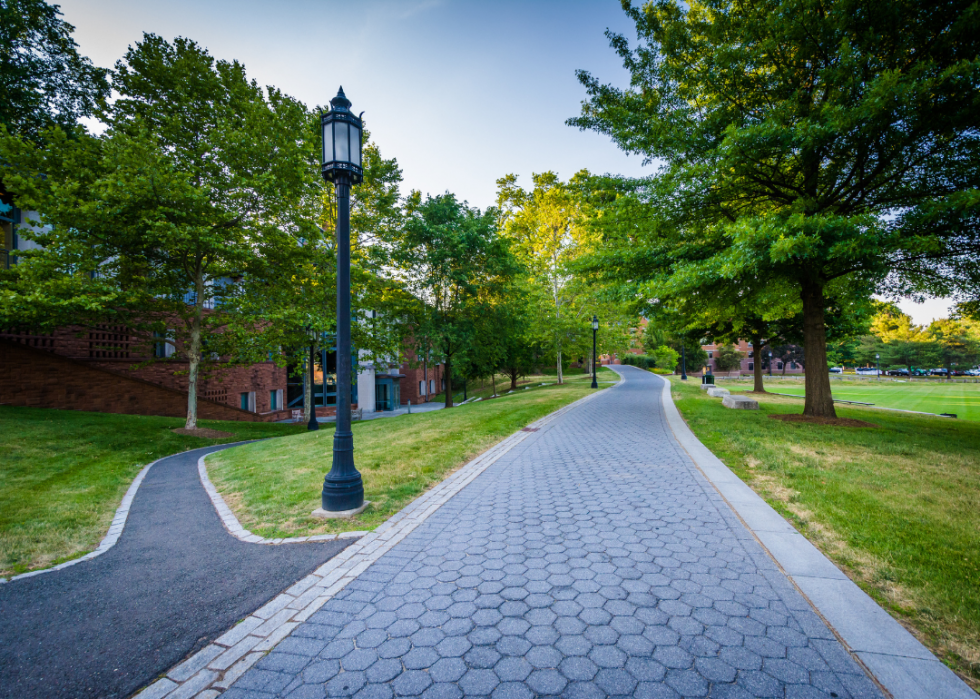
(595, 357)
(877, 370)
(313, 424)
(683, 362)
(770, 364)
(343, 489)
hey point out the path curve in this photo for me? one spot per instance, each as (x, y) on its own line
(593, 559)
(174, 581)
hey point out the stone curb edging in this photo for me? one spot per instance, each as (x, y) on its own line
(235, 528)
(111, 537)
(896, 659)
(216, 667)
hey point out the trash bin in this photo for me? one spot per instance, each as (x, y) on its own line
(707, 379)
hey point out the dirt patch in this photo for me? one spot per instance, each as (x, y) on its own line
(832, 421)
(203, 433)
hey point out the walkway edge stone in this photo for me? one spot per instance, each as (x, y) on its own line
(898, 661)
(299, 602)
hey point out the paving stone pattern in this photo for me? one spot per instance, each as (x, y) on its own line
(592, 560)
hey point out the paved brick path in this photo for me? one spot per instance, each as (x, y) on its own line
(592, 560)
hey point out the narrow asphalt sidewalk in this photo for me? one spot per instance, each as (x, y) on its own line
(592, 559)
(174, 581)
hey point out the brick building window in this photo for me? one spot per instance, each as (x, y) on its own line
(421, 388)
(432, 386)
(274, 399)
(779, 365)
(247, 401)
(751, 366)
(443, 384)
(711, 355)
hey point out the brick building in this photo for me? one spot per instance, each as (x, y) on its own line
(748, 361)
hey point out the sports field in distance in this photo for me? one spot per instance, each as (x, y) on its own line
(963, 399)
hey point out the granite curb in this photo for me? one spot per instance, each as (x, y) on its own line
(904, 667)
(216, 667)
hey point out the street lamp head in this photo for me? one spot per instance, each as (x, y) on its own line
(595, 323)
(341, 142)
(877, 356)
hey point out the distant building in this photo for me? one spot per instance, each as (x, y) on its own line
(748, 361)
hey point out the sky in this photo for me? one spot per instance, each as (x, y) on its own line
(460, 92)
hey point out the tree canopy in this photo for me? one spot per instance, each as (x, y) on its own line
(831, 150)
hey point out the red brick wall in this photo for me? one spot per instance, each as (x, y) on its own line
(410, 384)
(38, 378)
(222, 384)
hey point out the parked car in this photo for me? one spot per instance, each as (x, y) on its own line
(867, 371)
(836, 370)
(938, 372)
(897, 372)
(973, 372)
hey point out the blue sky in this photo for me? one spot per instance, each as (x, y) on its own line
(461, 92)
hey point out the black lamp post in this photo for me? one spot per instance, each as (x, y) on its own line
(877, 370)
(683, 362)
(770, 364)
(343, 489)
(595, 329)
(313, 424)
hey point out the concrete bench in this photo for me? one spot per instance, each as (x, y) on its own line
(739, 403)
(716, 392)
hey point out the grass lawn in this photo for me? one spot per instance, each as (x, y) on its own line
(897, 506)
(274, 486)
(962, 399)
(63, 473)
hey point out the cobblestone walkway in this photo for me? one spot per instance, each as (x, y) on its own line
(592, 560)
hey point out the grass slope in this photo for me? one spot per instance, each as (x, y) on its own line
(897, 507)
(274, 486)
(962, 399)
(63, 473)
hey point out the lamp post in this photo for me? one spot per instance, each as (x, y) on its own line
(770, 364)
(313, 424)
(343, 489)
(877, 370)
(683, 362)
(595, 329)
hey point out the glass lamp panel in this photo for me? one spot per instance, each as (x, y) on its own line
(341, 141)
(355, 145)
(327, 143)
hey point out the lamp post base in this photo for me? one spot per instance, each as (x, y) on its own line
(594, 384)
(321, 513)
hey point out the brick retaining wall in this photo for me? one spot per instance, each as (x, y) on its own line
(39, 379)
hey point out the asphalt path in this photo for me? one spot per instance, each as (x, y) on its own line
(174, 581)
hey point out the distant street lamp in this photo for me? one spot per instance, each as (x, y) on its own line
(877, 370)
(343, 489)
(595, 329)
(313, 424)
(683, 362)
(770, 364)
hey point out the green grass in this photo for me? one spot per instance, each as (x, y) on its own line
(63, 473)
(963, 399)
(274, 486)
(897, 506)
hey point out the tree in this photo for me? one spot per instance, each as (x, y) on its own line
(43, 79)
(196, 183)
(544, 225)
(832, 148)
(954, 346)
(451, 258)
(728, 357)
(665, 358)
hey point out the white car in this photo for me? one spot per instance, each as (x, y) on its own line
(865, 371)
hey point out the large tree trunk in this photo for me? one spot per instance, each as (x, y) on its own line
(513, 379)
(307, 389)
(447, 369)
(757, 364)
(194, 353)
(493, 381)
(819, 401)
(559, 366)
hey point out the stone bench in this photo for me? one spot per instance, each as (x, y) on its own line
(716, 392)
(739, 403)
